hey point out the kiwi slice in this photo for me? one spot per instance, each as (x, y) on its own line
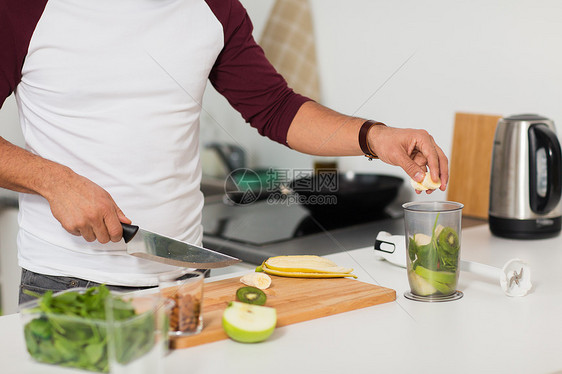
(448, 240)
(251, 295)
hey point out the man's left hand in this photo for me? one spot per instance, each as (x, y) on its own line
(412, 150)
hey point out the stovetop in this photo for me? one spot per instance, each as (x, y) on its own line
(260, 230)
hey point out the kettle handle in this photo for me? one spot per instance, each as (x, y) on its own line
(540, 136)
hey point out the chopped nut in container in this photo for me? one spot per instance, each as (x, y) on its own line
(186, 317)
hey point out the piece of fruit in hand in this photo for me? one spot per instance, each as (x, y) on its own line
(426, 184)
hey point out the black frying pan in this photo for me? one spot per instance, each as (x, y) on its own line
(346, 194)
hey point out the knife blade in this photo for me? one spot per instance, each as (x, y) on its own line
(151, 246)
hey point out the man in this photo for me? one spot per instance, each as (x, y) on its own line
(109, 95)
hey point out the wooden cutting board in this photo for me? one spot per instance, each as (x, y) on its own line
(295, 299)
(471, 159)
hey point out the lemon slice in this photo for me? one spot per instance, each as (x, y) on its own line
(426, 184)
(248, 323)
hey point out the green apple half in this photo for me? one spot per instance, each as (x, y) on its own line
(247, 323)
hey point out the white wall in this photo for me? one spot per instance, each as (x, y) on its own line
(482, 56)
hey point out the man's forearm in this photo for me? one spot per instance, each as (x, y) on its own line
(321, 131)
(317, 130)
(82, 207)
(23, 171)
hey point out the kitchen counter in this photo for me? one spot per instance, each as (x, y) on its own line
(484, 332)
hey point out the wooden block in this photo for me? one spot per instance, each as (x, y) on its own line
(470, 163)
(295, 299)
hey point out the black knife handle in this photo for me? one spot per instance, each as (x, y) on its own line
(129, 231)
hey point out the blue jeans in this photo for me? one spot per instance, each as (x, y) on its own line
(40, 283)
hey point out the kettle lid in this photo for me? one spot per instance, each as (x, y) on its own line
(526, 117)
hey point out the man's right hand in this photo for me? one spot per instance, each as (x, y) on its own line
(82, 207)
(85, 209)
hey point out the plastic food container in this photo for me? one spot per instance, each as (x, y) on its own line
(186, 316)
(120, 331)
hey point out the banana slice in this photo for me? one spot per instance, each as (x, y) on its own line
(295, 274)
(422, 239)
(426, 184)
(305, 264)
(259, 280)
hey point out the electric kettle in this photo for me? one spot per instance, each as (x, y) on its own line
(525, 179)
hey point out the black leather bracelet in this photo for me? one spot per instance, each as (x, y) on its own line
(363, 141)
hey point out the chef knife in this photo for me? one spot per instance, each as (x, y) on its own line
(148, 245)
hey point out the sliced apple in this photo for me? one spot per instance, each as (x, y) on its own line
(420, 286)
(248, 323)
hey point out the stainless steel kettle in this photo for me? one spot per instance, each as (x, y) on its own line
(526, 179)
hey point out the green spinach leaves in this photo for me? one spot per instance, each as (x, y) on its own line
(71, 329)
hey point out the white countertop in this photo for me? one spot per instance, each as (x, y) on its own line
(484, 332)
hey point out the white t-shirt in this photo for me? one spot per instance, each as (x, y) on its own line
(113, 90)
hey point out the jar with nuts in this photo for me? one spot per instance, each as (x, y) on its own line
(186, 317)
